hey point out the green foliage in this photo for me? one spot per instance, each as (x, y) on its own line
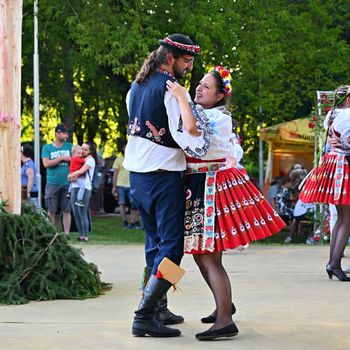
(281, 52)
(37, 263)
(109, 230)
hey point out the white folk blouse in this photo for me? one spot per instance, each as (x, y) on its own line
(142, 155)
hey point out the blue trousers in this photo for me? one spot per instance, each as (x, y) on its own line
(160, 199)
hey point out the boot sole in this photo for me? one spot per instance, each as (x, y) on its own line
(141, 333)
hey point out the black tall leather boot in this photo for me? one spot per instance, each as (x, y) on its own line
(145, 322)
(163, 314)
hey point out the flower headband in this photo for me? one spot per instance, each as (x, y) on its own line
(225, 77)
(186, 48)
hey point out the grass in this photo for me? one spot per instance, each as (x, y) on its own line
(109, 230)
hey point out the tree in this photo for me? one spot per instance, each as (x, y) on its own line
(281, 52)
(10, 97)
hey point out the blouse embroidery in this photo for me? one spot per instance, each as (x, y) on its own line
(203, 124)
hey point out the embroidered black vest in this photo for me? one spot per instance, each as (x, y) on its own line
(147, 113)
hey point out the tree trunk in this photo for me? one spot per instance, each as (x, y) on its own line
(10, 107)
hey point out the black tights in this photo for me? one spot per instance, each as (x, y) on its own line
(214, 273)
(340, 236)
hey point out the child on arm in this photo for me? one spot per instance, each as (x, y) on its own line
(76, 162)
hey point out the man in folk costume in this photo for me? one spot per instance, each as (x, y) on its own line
(154, 155)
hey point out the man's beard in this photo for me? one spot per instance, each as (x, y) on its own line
(178, 74)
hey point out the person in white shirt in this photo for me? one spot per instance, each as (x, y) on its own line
(224, 210)
(81, 213)
(154, 155)
(329, 180)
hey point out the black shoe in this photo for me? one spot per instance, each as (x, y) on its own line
(339, 273)
(145, 322)
(126, 224)
(228, 331)
(167, 317)
(163, 314)
(212, 318)
(153, 328)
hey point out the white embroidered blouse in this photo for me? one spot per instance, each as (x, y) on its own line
(142, 155)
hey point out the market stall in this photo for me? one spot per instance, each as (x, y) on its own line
(289, 143)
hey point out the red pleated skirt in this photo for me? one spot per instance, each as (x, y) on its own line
(328, 182)
(241, 213)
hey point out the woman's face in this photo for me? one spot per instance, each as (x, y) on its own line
(207, 94)
(86, 149)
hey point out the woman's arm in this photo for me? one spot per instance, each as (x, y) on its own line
(30, 175)
(114, 182)
(79, 172)
(188, 119)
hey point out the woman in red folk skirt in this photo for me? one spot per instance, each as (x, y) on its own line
(329, 181)
(224, 210)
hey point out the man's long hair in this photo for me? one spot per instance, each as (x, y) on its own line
(153, 62)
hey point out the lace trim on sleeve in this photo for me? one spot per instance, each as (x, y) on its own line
(203, 125)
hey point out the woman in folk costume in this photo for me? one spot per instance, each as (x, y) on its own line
(329, 181)
(224, 210)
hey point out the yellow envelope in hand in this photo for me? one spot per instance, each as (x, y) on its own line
(170, 271)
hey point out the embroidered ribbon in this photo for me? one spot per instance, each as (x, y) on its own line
(193, 168)
(208, 242)
(339, 176)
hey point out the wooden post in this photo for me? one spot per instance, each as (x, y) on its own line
(10, 103)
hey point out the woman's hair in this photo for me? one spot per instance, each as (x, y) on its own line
(285, 180)
(340, 94)
(27, 150)
(276, 180)
(219, 84)
(154, 60)
(75, 148)
(93, 151)
(223, 82)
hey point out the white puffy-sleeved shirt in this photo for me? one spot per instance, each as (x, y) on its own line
(238, 150)
(234, 162)
(220, 123)
(340, 124)
(142, 155)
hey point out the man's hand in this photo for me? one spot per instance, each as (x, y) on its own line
(114, 192)
(231, 162)
(64, 159)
